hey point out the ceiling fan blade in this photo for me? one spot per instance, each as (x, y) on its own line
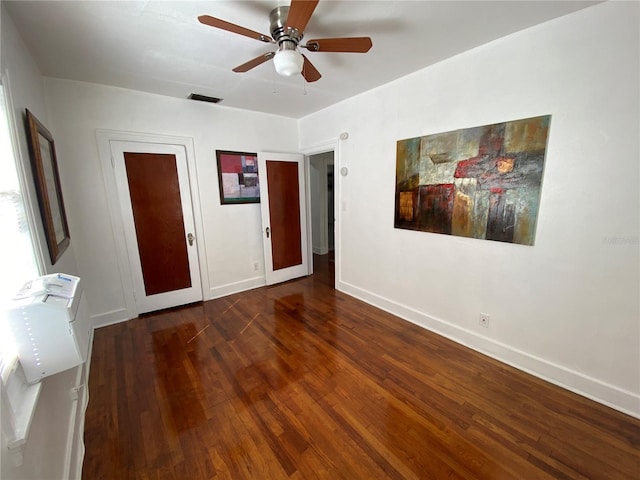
(245, 67)
(299, 14)
(349, 45)
(231, 27)
(309, 72)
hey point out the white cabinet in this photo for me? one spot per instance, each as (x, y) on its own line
(44, 395)
(50, 324)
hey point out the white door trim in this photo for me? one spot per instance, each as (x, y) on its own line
(193, 293)
(104, 139)
(335, 147)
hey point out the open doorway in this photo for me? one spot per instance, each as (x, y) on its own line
(322, 193)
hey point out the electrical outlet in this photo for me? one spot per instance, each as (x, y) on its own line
(484, 320)
(255, 266)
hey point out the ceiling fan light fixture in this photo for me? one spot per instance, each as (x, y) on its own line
(287, 24)
(288, 62)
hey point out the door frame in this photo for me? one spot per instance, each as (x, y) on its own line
(104, 139)
(335, 147)
(321, 203)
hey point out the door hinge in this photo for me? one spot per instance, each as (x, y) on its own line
(75, 391)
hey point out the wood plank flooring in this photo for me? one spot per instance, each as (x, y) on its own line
(300, 381)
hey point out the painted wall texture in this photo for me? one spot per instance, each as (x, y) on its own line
(567, 308)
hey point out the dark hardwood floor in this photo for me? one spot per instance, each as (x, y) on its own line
(300, 381)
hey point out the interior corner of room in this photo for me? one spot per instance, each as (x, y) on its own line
(565, 308)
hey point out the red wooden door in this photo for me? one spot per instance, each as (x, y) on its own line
(159, 227)
(283, 205)
(157, 215)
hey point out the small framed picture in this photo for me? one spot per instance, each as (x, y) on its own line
(45, 173)
(238, 177)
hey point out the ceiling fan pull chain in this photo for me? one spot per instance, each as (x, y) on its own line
(273, 81)
(304, 82)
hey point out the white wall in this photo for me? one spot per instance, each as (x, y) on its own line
(26, 89)
(50, 444)
(232, 233)
(566, 308)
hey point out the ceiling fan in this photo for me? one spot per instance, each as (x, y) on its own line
(287, 26)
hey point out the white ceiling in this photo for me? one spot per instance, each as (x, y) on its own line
(160, 47)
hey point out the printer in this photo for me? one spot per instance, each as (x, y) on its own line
(50, 322)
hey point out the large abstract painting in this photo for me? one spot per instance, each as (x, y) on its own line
(481, 182)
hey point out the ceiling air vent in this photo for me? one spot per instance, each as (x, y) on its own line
(204, 98)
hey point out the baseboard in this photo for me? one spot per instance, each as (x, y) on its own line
(320, 250)
(109, 318)
(236, 287)
(120, 315)
(594, 389)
